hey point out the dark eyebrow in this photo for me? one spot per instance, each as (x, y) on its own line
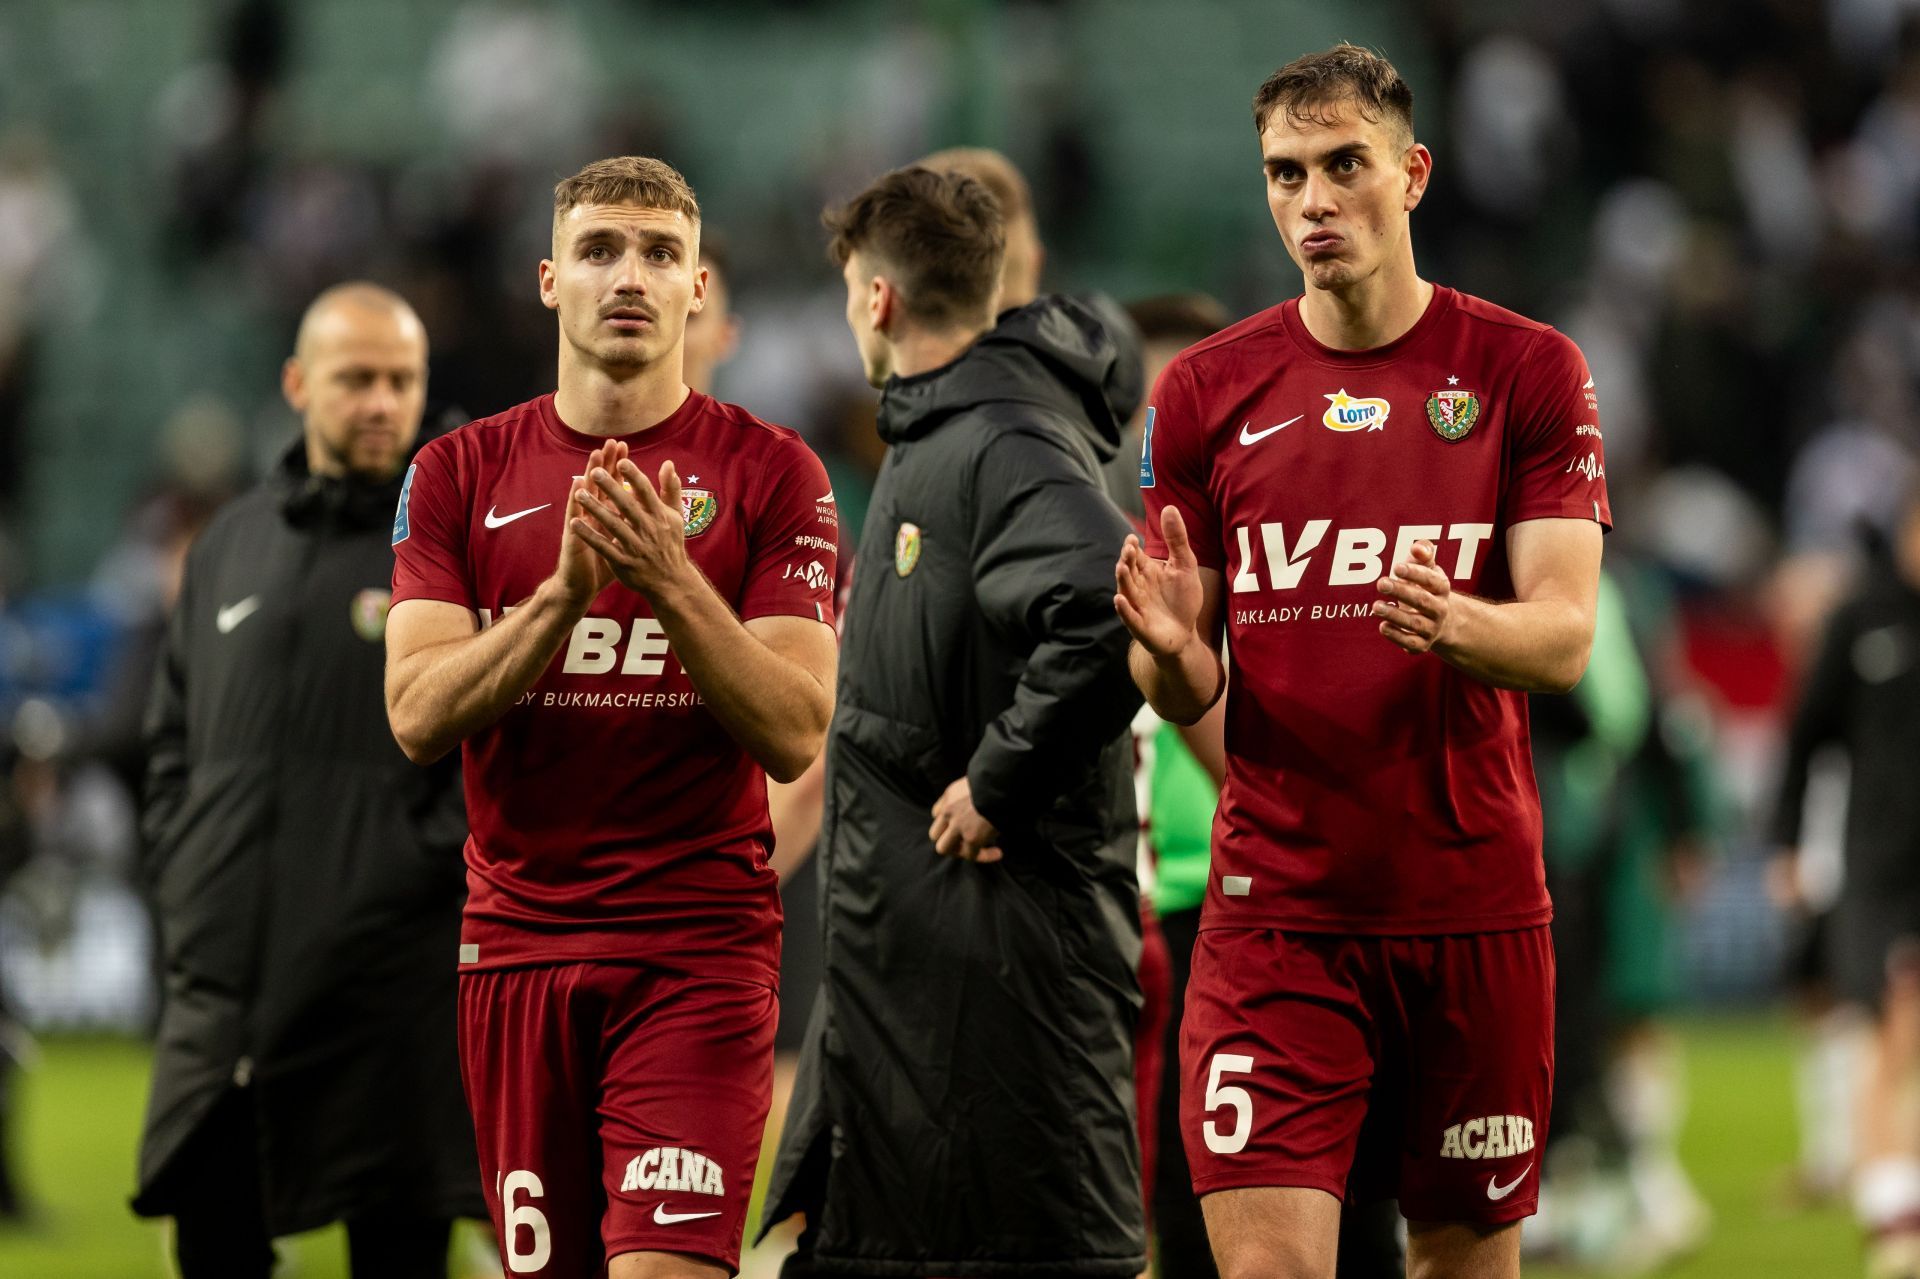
(1332, 153)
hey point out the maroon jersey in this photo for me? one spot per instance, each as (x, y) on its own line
(613, 817)
(1369, 790)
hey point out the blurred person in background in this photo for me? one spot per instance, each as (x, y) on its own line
(1626, 802)
(713, 332)
(1862, 694)
(307, 877)
(964, 1104)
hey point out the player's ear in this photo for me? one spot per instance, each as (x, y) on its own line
(549, 295)
(293, 384)
(1419, 169)
(881, 302)
(699, 290)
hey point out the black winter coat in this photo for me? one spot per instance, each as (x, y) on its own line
(307, 878)
(965, 1102)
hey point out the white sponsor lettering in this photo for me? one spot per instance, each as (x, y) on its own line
(1488, 1137)
(675, 1169)
(1588, 466)
(1358, 555)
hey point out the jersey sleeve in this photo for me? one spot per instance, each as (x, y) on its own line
(1174, 467)
(1558, 462)
(430, 531)
(793, 550)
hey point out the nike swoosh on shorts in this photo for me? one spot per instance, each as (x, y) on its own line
(661, 1217)
(1497, 1192)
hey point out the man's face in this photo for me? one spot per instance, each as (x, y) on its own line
(623, 280)
(1340, 191)
(712, 334)
(863, 318)
(360, 385)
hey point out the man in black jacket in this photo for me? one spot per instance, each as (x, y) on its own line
(307, 878)
(1862, 696)
(965, 1102)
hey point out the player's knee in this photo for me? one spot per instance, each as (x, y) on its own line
(1274, 1259)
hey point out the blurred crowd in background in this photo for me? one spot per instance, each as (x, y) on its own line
(1719, 200)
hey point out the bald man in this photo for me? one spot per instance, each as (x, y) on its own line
(308, 879)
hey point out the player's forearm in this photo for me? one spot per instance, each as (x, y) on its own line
(442, 695)
(774, 708)
(1533, 646)
(1181, 687)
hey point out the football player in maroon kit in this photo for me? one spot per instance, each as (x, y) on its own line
(1390, 495)
(619, 598)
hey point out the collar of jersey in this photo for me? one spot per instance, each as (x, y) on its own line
(1437, 306)
(660, 432)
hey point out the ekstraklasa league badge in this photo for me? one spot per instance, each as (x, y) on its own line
(906, 549)
(699, 506)
(1452, 414)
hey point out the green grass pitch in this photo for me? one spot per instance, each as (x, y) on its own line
(81, 1116)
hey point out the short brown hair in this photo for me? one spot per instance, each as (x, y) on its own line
(627, 179)
(995, 171)
(1345, 74)
(941, 235)
(1185, 318)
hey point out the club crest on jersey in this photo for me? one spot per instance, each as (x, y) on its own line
(1355, 413)
(906, 549)
(1452, 414)
(699, 506)
(369, 613)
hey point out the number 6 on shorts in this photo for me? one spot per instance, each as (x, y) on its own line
(1230, 1143)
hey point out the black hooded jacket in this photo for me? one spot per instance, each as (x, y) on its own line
(965, 1101)
(307, 878)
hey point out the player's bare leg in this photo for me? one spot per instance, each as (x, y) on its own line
(1273, 1232)
(1449, 1250)
(662, 1265)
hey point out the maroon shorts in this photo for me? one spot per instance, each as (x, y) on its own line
(1372, 1067)
(618, 1109)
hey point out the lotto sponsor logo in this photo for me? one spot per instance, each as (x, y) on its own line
(1489, 1137)
(675, 1169)
(1355, 413)
(1356, 556)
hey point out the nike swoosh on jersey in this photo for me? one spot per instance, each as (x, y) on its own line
(1249, 436)
(1497, 1192)
(496, 521)
(661, 1217)
(233, 614)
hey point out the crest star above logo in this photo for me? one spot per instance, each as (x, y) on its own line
(693, 479)
(1453, 381)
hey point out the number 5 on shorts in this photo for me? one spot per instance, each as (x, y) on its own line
(1231, 1143)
